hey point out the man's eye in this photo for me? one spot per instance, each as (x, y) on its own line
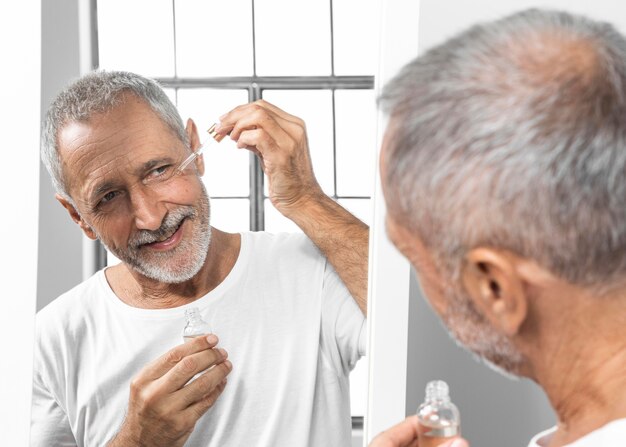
(161, 170)
(108, 197)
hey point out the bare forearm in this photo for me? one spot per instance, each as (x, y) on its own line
(280, 140)
(342, 238)
(116, 442)
(121, 440)
(124, 439)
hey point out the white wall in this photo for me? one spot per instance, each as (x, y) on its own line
(20, 40)
(441, 19)
(39, 51)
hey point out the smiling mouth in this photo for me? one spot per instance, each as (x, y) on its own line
(167, 236)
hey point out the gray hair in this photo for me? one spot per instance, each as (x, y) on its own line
(513, 135)
(94, 93)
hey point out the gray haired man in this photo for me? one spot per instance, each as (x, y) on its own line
(110, 365)
(504, 169)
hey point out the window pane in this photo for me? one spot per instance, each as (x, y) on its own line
(315, 108)
(171, 94)
(213, 38)
(355, 34)
(231, 215)
(292, 37)
(136, 36)
(276, 222)
(361, 208)
(226, 167)
(355, 114)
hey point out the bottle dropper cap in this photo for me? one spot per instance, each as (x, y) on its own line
(192, 313)
(437, 390)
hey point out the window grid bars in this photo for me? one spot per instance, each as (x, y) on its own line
(255, 85)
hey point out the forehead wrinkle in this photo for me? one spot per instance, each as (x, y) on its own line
(112, 141)
(79, 159)
(99, 182)
(106, 176)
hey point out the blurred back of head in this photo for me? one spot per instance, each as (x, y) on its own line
(513, 135)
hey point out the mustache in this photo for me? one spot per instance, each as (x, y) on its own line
(170, 224)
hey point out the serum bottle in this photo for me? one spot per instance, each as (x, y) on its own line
(195, 326)
(438, 418)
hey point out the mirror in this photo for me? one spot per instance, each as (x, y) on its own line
(398, 379)
(323, 73)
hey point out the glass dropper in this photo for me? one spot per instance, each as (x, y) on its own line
(213, 137)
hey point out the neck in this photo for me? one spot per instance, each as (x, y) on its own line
(139, 291)
(583, 368)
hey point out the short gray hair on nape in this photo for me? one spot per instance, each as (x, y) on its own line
(512, 135)
(95, 93)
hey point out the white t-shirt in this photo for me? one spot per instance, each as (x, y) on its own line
(291, 329)
(612, 434)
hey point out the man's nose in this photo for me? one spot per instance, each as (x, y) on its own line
(148, 210)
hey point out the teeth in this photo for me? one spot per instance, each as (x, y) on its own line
(169, 235)
(165, 238)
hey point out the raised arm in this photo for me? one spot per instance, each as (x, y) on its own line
(280, 141)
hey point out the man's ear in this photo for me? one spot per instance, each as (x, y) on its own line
(497, 290)
(194, 141)
(76, 217)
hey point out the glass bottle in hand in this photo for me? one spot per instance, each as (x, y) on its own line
(438, 418)
(195, 326)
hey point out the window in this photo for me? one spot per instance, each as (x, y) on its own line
(314, 59)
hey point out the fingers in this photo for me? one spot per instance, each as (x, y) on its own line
(280, 140)
(278, 124)
(403, 434)
(170, 359)
(456, 442)
(158, 395)
(203, 386)
(277, 110)
(200, 407)
(189, 366)
(261, 143)
(234, 115)
(256, 121)
(280, 113)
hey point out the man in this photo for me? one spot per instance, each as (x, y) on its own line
(504, 171)
(111, 368)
